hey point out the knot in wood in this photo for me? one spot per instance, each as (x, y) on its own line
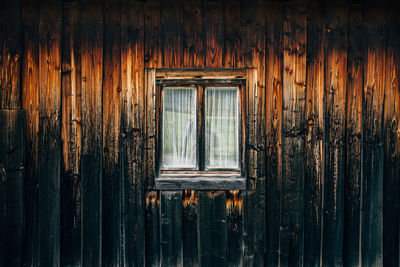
(3, 174)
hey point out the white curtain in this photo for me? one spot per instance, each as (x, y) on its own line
(222, 128)
(179, 128)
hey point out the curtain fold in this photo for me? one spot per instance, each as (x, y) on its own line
(222, 128)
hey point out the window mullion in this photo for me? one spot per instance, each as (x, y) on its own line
(200, 125)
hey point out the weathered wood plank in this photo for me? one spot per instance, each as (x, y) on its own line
(335, 119)
(253, 50)
(171, 228)
(354, 102)
(293, 136)
(30, 103)
(49, 133)
(10, 54)
(190, 226)
(92, 141)
(153, 45)
(12, 170)
(273, 127)
(193, 45)
(391, 126)
(213, 25)
(233, 57)
(313, 176)
(372, 184)
(70, 246)
(234, 217)
(152, 224)
(132, 73)
(172, 33)
(213, 236)
(112, 248)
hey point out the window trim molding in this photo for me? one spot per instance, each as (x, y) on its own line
(201, 181)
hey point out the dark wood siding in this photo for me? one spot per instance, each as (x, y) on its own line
(324, 145)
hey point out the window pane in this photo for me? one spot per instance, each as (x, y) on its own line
(179, 128)
(222, 128)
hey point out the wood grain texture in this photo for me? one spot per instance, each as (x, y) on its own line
(273, 126)
(92, 130)
(313, 176)
(112, 247)
(30, 103)
(293, 137)
(132, 138)
(49, 148)
(391, 164)
(354, 107)
(335, 119)
(213, 25)
(193, 45)
(71, 137)
(372, 184)
(12, 152)
(10, 54)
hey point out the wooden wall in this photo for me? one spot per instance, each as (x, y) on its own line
(327, 174)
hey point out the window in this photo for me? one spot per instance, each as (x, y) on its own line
(197, 125)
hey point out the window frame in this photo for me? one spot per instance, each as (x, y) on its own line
(157, 178)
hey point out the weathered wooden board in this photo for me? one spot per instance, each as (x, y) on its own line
(30, 103)
(92, 130)
(354, 102)
(273, 127)
(193, 45)
(70, 247)
(293, 136)
(49, 156)
(10, 54)
(372, 183)
(12, 170)
(132, 76)
(313, 175)
(335, 120)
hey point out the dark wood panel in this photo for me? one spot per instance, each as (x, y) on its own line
(30, 103)
(49, 156)
(10, 54)
(335, 119)
(391, 164)
(190, 228)
(92, 130)
(112, 247)
(213, 25)
(132, 148)
(354, 102)
(152, 229)
(372, 184)
(193, 45)
(293, 137)
(273, 127)
(12, 152)
(70, 246)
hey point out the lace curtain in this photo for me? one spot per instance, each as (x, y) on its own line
(179, 128)
(222, 128)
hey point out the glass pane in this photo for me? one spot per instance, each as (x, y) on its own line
(179, 128)
(222, 128)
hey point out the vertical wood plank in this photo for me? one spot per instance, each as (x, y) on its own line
(153, 55)
(335, 86)
(391, 126)
(49, 133)
(293, 121)
(190, 228)
(372, 184)
(12, 152)
(234, 217)
(171, 228)
(354, 102)
(30, 103)
(152, 224)
(213, 24)
(273, 127)
(171, 32)
(253, 49)
(112, 254)
(91, 164)
(70, 246)
(212, 228)
(10, 54)
(193, 45)
(314, 128)
(132, 73)
(233, 57)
